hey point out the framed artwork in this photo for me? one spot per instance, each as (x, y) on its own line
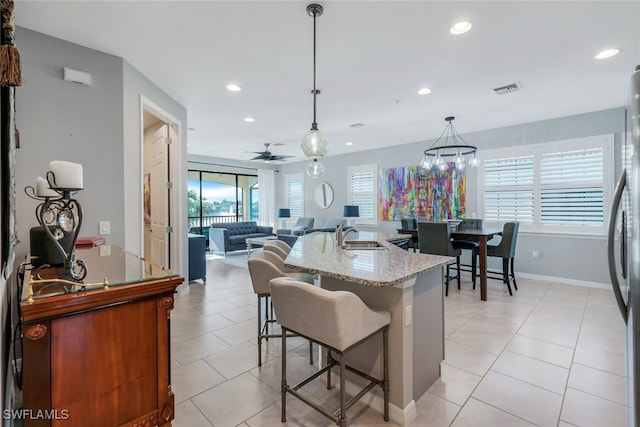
(413, 192)
(147, 198)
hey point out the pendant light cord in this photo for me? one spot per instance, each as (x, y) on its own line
(314, 125)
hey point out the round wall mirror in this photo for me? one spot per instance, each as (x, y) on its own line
(323, 195)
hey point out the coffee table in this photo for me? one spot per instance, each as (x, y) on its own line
(257, 242)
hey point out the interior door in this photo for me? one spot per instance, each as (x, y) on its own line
(159, 197)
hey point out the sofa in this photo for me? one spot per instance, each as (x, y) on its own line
(231, 236)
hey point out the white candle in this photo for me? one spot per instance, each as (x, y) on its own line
(43, 190)
(67, 174)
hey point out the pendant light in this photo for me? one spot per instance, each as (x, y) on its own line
(314, 143)
(449, 144)
(315, 169)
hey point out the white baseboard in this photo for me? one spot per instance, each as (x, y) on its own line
(563, 280)
(397, 415)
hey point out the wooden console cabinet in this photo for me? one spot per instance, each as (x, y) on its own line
(100, 356)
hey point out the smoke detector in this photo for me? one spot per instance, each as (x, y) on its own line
(513, 87)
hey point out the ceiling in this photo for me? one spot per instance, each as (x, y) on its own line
(372, 57)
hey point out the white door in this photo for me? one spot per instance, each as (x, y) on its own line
(159, 197)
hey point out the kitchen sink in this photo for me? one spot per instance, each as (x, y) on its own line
(362, 244)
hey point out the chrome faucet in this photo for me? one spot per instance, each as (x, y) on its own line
(341, 234)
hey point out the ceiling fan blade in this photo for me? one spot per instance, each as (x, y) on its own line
(280, 157)
(260, 157)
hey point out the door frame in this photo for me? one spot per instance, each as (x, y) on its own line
(175, 213)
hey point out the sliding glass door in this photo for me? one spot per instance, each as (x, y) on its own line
(220, 197)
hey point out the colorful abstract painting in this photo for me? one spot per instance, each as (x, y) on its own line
(413, 192)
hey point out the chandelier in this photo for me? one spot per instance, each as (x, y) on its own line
(449, 145)
(314, 143)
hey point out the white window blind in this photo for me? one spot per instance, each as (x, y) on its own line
(295, 194)
(363, 191)
(556, 187)
(571, 187)
(509, 189)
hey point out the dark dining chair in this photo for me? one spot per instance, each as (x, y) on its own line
(506, 250)
(410, 224)
(435, 238)
(473, 246)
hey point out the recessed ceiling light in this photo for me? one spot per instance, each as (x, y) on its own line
(233, 87)
(460, 27)
(607, 53)
(249, 119)
(424, 91)
(348, 143)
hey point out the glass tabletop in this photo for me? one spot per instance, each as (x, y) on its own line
(106, 266)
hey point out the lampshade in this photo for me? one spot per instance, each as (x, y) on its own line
(449, 144)
(351, 211)
(284, 213)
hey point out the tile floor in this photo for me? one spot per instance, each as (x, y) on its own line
(551, 355)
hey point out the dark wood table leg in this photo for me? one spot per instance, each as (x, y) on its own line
(483, 267)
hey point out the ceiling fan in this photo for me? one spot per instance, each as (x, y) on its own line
(267, 156)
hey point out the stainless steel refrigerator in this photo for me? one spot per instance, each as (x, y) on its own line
(624, 244)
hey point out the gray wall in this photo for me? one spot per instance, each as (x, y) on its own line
(59, 120)
(567, 257)
(99, 126)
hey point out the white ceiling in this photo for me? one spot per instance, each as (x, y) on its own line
(372, 57)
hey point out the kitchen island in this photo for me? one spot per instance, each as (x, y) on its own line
(385, 277)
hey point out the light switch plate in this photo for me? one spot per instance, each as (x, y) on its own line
(105, 227)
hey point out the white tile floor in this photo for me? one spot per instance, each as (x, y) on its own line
(551, 355)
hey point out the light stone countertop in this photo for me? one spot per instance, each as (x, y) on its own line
(317, 253)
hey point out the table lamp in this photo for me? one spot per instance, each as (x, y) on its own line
(284, 213)
(350, 211)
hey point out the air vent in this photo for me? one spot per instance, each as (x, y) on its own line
(513, 87)
(356, 125)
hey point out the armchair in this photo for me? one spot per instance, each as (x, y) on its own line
(301, 226)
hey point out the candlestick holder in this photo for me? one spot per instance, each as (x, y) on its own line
(60, 216)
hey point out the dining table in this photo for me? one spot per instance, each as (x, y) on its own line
(480, 235)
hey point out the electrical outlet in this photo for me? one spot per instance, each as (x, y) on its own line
(408, 315)
(535, 255)
(105, 227)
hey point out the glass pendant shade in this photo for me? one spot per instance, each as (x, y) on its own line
(315, 169)
(426, 162)
(314, 144)
(474, 162)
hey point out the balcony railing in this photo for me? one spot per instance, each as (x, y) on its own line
(213, 219)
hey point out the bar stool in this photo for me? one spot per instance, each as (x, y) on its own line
(337, 320)
(474, 247)
(279, 243)
(275, 249)
(261, 272)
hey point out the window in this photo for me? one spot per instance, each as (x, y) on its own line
(363, 192)
(562, 186)
(294, 185)
(218, 197)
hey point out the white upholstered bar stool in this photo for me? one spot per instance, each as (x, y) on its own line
(337, 320)
(275, 259)
(261, 272)
(279, 243)
(276, 250)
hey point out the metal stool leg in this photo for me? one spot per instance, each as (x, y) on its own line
(513, 275)
(259, 331)
(283, 383)
(343, 394)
